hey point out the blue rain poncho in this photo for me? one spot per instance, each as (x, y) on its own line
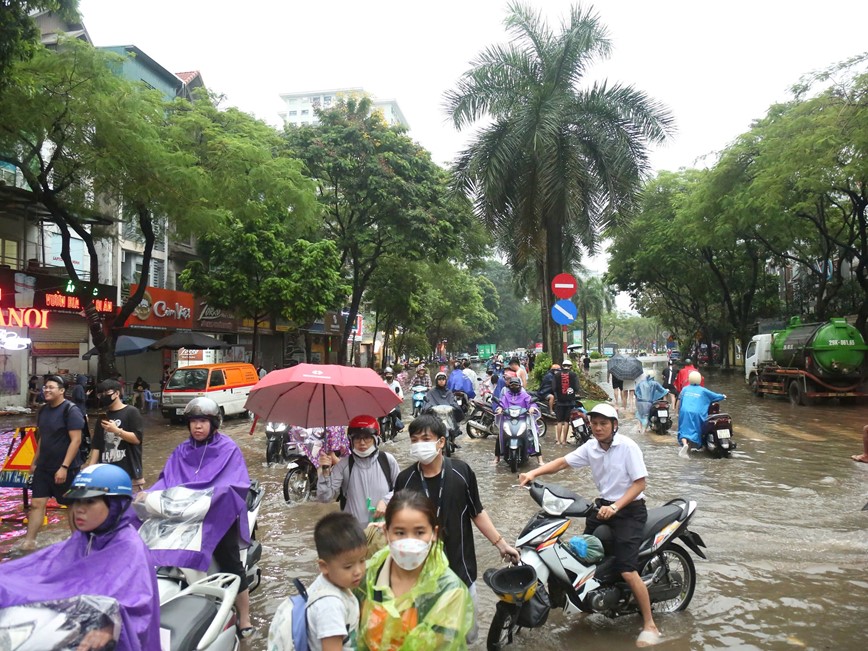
(694, 402)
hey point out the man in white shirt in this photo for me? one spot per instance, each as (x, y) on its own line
(619, 473)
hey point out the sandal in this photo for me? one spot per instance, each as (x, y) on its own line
(246, 632)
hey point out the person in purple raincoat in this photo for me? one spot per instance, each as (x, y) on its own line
(104, 557)
(211, 460)
(516, 396)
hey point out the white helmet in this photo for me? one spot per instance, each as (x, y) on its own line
(605, 409)
(387, 370)
(567, 363)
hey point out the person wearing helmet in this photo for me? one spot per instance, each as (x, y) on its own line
(361, 479)
(104, 556)
(211, 460)
(618, 470)
(394, 385)
(422, 378)
(693, 403)
(565, 383)
(516, 396)
(438, 396)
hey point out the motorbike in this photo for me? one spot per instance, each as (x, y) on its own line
(419, 391)
(717, 433)
(580, 425)
(562, 578)
(659, 418)
(480, 422)
(276, 441)
(447, 415)
(302, 452)
(516, 431)
(462, 400)
(390, 425)
(202, 615)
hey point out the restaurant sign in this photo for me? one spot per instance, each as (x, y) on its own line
(162, 308)
(24, 290)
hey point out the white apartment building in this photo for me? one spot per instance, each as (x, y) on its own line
(300, 107)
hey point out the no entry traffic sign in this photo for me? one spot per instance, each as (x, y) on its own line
(564, 285)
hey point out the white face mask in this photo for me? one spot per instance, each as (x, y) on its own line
(366, 453)
(424, 451)
(409, 553)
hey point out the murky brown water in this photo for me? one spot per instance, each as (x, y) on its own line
(787, 542)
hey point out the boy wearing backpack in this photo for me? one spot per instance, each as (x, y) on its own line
(361, 479)
(326, 616)
(57, 459)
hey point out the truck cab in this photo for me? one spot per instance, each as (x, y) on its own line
(759, 350)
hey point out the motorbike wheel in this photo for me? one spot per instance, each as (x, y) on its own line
(503, 627)
(541, 426)
(513, 463)
(297, 486)
(387, 429)
(679, 566)
(471, 431)
(272, 451)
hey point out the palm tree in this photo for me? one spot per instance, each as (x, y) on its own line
(557, 164)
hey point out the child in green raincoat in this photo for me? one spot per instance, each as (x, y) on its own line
(410, 599)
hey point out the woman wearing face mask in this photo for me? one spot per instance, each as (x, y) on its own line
(361, 478)
(411, 600)
(103, 557)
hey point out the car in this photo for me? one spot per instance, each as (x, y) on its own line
(674, 355)
(474, 358)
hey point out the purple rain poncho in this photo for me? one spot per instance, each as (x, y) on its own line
(216, 463)
(114, 563)
(693, 404)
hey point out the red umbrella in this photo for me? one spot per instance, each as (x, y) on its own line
(316, 395)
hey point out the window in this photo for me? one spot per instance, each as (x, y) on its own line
(158, 273)
(316, 102)
(327, 100)
(9, 253)
(305, 112)
(188, 379)
(293, 112)
(217, 379)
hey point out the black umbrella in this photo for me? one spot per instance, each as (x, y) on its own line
(192, 340)
(624, 368)
(125, 345)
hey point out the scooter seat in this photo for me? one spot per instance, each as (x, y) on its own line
(658, 518)
(187, 618)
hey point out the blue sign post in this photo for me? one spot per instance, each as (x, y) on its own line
(564, 312)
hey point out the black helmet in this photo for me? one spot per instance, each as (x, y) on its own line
(512, 381)
(204, 408)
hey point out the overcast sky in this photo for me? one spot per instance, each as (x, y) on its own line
(716, 65)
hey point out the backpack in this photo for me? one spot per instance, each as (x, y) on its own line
(384, 466)
(84, 444)
(288, 630)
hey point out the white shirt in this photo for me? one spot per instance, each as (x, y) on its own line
(395, 386)
(336, 614)
(614, 470)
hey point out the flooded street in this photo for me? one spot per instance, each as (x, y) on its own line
(787, 541)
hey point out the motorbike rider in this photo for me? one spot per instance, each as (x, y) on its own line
(440, 395)
(683, 378)
(693, 403)
(394, 385)
(516, 396)
(359, 477)
(104, 556)
(211, 460)
(618, 470)
(470, 374)
(648, 391)
(422, 378)
(566, 390)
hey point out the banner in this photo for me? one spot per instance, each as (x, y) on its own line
(162, 308)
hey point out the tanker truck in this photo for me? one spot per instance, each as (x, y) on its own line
(808, 361)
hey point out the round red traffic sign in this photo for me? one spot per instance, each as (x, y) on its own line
(564, 285)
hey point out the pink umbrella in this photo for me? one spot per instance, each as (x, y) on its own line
(317, 395)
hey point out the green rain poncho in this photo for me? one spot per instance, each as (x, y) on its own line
(435, 615)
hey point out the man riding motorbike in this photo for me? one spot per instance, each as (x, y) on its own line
(516, 396)
(693, 403)
(439, 395)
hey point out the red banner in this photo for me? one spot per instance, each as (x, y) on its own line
(162, 308)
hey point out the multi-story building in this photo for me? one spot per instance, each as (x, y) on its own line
(301, 107)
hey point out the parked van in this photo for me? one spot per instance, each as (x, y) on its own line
(226, 384)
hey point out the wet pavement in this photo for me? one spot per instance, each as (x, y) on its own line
(787, 541)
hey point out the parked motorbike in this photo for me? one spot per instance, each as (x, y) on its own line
(564, 579)
(659, 418)
(480, 422)
(516, 432)
(419, 391)
(462, 400)
(390, 425)
(717, 433)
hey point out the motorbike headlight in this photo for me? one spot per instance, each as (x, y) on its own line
(553, 504)
(275, 427)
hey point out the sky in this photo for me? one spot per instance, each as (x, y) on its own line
(717, 66)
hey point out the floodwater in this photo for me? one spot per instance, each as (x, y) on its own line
(787, 541)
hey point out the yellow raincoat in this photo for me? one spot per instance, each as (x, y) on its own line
(435, 614)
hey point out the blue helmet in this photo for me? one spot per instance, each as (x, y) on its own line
(100, 480)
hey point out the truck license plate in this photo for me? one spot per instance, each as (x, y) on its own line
(723, 434)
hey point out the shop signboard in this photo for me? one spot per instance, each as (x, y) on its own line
(24, 290)
(162, 308)
(207, 318)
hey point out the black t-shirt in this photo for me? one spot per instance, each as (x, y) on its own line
(54, 425)
(586, 363)
(563, 381)
(113, 449)
(458, 504)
